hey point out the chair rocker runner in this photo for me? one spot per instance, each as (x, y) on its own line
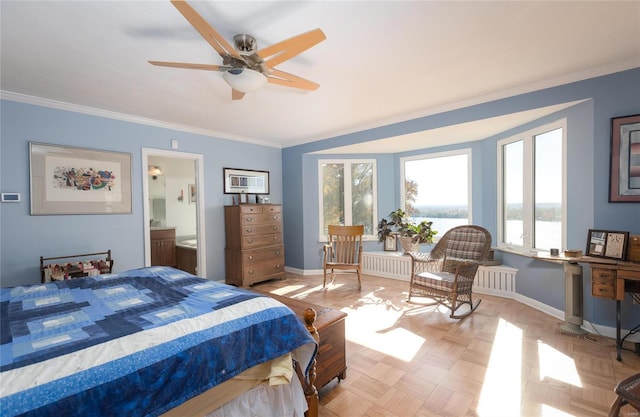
(343, 251)
(446, 274)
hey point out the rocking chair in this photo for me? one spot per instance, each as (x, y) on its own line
(446, 274)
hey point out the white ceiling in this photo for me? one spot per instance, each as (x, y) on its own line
(382, 62)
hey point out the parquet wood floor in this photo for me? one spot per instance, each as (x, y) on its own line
(506, 359)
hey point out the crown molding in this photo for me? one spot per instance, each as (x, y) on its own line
(93, 111)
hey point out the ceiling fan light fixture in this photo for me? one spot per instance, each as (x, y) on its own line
(245, 80)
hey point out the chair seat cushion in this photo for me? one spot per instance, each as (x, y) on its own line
(341, 265)
(437, 280)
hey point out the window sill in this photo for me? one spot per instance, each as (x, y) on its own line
(518, 251)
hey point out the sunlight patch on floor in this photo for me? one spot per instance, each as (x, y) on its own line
(548, 411)
(287, 289)
(374, 324)
(501, 389)
(556, 365)
(294, 290)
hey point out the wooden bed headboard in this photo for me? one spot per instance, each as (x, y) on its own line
(75, 266)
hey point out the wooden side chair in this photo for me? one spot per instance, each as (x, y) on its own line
(343, 251)
(628, 391)
(446, 274)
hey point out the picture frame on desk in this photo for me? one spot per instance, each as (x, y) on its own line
(607, 244)
(391, 243)
(624, 177)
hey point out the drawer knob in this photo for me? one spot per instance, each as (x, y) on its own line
(250, 257)
(249, 219)
(249, 240)
(275, 217)
(277, 252)
(275, 227)
(249, 230)
(251, 271)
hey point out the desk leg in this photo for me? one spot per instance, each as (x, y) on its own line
(618, 341)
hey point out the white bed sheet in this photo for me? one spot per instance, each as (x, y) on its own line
(284, 400)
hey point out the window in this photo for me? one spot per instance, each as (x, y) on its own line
(436, 188)
(531, 206)
(347, 195)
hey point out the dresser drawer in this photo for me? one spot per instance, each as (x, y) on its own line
(258, 272)
(250, 219)
(260, 255)
(260, 241)
(261, 229)
(250, 209)
(260, 208)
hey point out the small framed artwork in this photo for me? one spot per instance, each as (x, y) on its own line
(245, 181)
(607, 244)
(193, 193)
(391, 243)
(70, 180)
(624, 177)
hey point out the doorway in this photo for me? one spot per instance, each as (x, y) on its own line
(173, 200)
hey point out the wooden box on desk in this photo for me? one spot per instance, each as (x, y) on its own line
(633, 248)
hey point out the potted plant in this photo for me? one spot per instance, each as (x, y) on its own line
(410, 234)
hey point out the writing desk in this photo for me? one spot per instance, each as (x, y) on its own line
(610, 279)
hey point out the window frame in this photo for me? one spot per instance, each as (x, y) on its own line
(434, 155)
(348, 215)
(528, 189)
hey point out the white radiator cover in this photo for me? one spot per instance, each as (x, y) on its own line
(496, 280)
(387, 264)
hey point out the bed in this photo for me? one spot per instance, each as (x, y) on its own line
(150, 342)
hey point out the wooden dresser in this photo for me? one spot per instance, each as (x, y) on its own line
(254, 249)
(330, 323)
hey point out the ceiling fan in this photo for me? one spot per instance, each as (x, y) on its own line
(245, 68)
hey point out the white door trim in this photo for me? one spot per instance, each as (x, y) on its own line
(200, 221)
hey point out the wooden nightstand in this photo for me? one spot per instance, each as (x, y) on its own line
(331, 359)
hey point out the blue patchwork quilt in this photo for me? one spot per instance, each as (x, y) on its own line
(136, 343)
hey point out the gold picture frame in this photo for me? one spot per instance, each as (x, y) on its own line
(71, 180)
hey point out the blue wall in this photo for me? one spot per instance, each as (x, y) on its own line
(588, 140)
(294, 181)
(24, 238)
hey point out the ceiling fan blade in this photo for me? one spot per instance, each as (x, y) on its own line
(207, 67)
(290, 80)
(287, 49)
(206, 30)
(236, 95)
